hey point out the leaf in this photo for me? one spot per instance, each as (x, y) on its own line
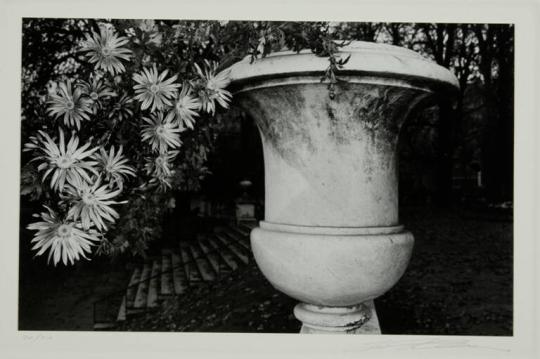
(343, 62)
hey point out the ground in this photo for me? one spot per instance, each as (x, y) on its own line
(62, 299)
(459, 282)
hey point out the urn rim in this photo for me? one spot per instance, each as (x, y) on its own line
(367, 59)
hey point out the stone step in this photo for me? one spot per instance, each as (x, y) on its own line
(229, 244)
(132, 287)
(212, 256)
(239, 239)
(122, 311)
(207, 274)
(166, 280)
(192, 273)
(241, 229)
(243, 253)
(179, 279)
(142, 289)
(227, 261)
(152, 298)
(226, 256)
(249, 225)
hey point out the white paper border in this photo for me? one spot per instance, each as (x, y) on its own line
(524, 14)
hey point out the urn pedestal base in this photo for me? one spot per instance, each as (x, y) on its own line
(358, 319)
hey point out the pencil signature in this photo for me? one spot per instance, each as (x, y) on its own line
(36, 337)
(427, 344)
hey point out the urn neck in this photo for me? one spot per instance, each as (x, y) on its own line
(331, 162)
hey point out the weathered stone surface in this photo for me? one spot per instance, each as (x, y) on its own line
(330, 162)
(331, 269)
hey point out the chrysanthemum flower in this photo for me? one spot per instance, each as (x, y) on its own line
(70, 104)
(97, 91)
(105, 50)
(153, 90)
(114, 166)
(160, 133)
(121, 108)
(160, 165)
(185, 107)
(91, 203)
(65, 162)
(65, 240)
(213, 86)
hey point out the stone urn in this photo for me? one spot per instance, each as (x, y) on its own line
(331, 236)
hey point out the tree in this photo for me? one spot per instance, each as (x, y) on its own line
(496, 64)
(478, 54)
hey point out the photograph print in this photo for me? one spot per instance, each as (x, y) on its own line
(266, 177)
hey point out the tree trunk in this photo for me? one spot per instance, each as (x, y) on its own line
(444, 168)
(498, 144)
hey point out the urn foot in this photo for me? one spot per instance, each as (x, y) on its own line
(357, 319)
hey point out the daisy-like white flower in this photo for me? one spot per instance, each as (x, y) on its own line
(34, 142)
(106, 51)
(162, 182)
(71, 104)
(160, 133)
(213, 86)
(121, 108)
(65, 240)
(114, 165)
(150, 33)
(185, 107)
(153, 90)
(160, 165)
(96, 91)
(91, 203)
(66, 162)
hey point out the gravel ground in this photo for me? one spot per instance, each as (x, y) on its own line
(459, 282)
